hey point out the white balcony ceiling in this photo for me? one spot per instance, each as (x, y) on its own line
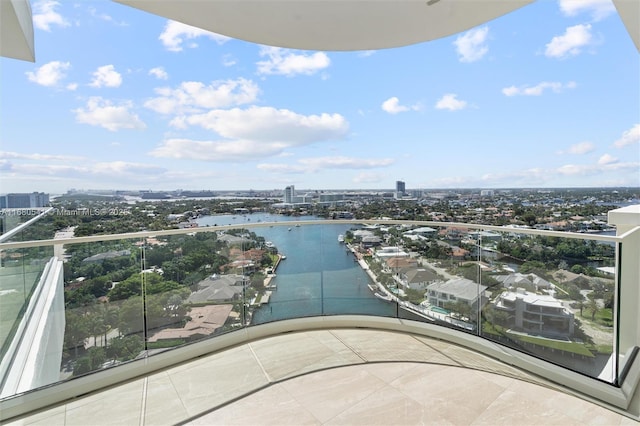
(309, 24)
(16, 30)
(347, 24)
(331, 24)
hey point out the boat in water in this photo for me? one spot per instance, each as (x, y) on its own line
(386, 298)
(341, 238)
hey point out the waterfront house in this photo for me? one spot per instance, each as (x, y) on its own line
(456, 290)
(536, 313)
(417, 278)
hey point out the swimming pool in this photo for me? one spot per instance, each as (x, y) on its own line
(439, 310)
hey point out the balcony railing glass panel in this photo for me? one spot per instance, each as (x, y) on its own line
(130, 297)
(20, 271)
(552, 297)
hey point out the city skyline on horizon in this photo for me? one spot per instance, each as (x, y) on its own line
(508, 104)
(390, 190)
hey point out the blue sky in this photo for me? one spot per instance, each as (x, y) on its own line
(547, 96)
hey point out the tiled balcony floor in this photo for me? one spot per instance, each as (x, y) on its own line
(331, 377)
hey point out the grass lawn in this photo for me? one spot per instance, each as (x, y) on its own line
(571, 347)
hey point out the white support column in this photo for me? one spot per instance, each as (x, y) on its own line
(627, 222)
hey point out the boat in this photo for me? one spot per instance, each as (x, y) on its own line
(386, 298)
(341, 238)
(283, 257)
(297, 225)
(289, 229)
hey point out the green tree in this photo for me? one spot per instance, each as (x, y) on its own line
(592, 306)
(124, 348)
(92, 361)
(76, 330)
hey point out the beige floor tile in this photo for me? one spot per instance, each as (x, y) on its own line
(388, 346)
(573, 407)
(514, 409)
(323, 379)
(328, 393)
(163, 404)
(121, 405)
(458, 394)
(271, 406)
(386, 406)
(220, 378)
(295, 354)
(390, 371)
(52, 417)
(472, 359)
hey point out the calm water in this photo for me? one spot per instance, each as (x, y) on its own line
(318, 277)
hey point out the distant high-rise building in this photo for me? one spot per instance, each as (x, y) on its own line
(400, 189)
(487, 193)
(289, 194)
(24, 200)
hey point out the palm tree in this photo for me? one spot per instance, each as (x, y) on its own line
(592, 306)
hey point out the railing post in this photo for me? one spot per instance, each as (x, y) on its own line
(627, 221)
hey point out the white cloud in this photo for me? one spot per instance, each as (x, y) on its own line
(253, 133)
(106, 76)
(450, 102)
(176, 33)
(392, 106)
(629, 137)
(45, 15)
(596, 169)
(107, 18)
(581, 148)
(607, 159)
(369, 177)
(599, 9)
(228, 60)
(159, 73)
(109, 171)
(366, 53)
(271, 125)
(101, 112)
(282, 168)
(193, 96)
(49, 74)
(220, 151)
(285, 62)
(122, 167)
(538, 89)
(471, 46)
(450, 182)
(313, 165)
(570, 43)
(43, 157)
(72, 86)
(344, 163)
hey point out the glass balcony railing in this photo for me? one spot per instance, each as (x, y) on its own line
(553, 296)
(20, 272)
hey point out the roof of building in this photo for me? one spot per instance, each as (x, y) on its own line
(218, 288)
(533, 299)
(420, 275)
(461, 288)
(518, 279)
(204, 321)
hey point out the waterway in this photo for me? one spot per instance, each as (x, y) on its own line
(319, 275)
